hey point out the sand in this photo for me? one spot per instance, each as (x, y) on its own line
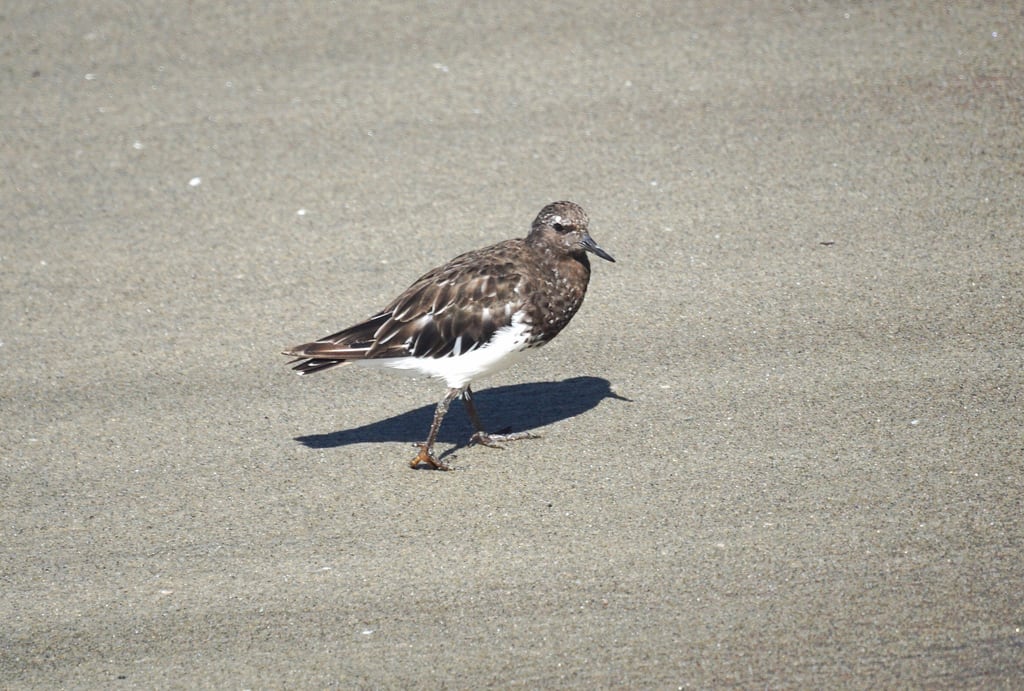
(781, 442)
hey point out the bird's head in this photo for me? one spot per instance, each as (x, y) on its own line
(565, 224)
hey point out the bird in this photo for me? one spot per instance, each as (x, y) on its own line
(471, 317)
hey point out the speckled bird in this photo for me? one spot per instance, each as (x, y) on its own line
(476, 315)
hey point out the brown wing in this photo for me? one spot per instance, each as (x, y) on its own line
(349, 344)
(452, 309)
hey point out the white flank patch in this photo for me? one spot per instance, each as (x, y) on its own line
(504, 349)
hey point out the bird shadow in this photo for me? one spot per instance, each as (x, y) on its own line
(515, 408)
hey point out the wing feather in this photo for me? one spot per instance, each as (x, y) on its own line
(450, 310)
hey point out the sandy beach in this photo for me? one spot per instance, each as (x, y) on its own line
(781, 442)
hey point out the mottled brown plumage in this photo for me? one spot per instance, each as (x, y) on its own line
(473, 315)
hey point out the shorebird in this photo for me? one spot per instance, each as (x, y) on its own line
(473, 316)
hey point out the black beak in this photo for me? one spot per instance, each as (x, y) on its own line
(591, 246)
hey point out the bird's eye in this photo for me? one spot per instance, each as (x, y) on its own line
(559, 227)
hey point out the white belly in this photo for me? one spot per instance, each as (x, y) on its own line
(506, 347)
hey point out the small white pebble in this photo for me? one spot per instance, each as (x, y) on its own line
(300, 212)
(195, 182)
(138, 146)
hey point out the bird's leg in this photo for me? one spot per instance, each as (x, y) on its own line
(426, 454)
(482, 437)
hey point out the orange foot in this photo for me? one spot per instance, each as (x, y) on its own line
(426, 456)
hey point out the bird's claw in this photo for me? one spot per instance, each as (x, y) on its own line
(426, 455)
(493, 440)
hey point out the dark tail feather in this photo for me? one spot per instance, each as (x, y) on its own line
(351, 344)
(310, 365)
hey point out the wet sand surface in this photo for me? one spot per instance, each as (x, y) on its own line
(781, 442)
